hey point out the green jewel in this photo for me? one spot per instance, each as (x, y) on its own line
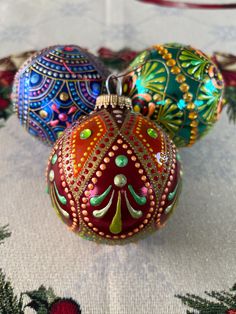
(120, 180)
(152, 133)
(54, 159)
(51, 175)
(121, 161)
(86, 133)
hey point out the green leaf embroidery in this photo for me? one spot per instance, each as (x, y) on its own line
(222, 302)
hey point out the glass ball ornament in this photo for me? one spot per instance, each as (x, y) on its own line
(114, 176)
(55, 87)
(178, 87)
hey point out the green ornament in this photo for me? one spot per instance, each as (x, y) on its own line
(178, 87)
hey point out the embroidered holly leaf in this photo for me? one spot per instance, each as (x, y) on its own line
(221, 302)
(230, 97)
(44, 301)
(9, 302)
(40, 299)
(117, 60)
(4, 233)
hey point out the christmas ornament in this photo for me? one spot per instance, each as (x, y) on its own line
(178, 87)
(56, 87)
(114, 176)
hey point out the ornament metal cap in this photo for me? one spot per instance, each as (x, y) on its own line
(113, 100)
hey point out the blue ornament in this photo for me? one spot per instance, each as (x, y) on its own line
(55, 87)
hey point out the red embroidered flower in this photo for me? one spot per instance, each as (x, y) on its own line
(231, 311)
(6, 77)
(64, 306)
(3, 104)
(125, 55)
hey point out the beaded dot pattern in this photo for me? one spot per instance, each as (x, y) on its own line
(117, 184)
(178, 87)
(56, 87)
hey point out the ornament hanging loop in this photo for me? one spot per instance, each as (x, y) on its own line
(113, 100)
(119, 88)
(108, 82)
(110, 79)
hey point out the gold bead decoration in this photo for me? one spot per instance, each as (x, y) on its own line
(192, 115)
(157, 47)
(160, 48)
(157, 97)
(175, 69)
(191, 106)
(43, 114)
(167, 56)
(171, 62)
(184, 87)
(193, 131)
(64, 96)
(165, 51)
(188, 97)
(194, 124)
(180, 78)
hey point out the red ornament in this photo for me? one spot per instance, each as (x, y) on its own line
(114, 176)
